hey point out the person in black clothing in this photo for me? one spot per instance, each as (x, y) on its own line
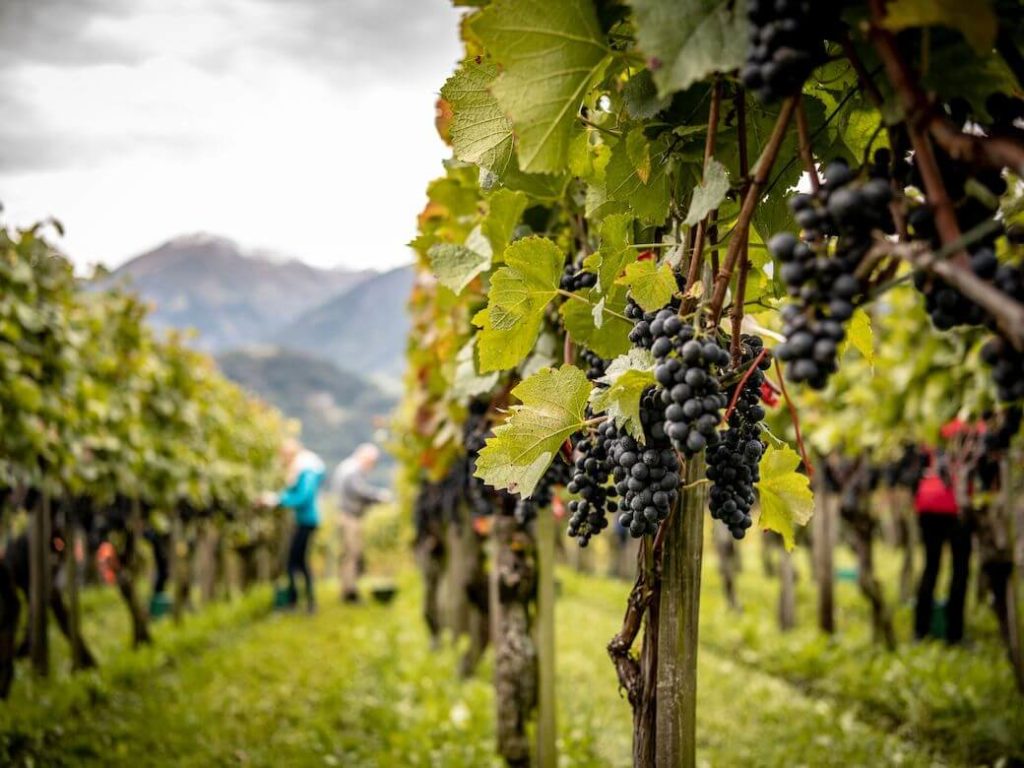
(941, 522)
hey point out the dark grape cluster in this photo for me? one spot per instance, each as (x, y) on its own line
(589, 481)
(596, 365)
(646, 476)
(1007, 368)
(785, 44)
(999, 436)
(819, 269)
(641, 335)
(483, 499)
(733, 463)
(574, 278)
(947, 307)
(687, 370)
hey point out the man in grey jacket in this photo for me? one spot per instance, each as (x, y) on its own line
(355, 494)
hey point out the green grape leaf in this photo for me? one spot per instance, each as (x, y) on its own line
(975, 20)
(710, 194)
(640, 96)
(687, 40)
(504, 210)
(519, 293)
(480, 131)
(551, 55)
(553, 407)
(610, 337)
(638, 149)
(784, 494)
(624, 189)
(615, 251)
(627, 377)
(468, 382)
(651, 285)
(455, 266)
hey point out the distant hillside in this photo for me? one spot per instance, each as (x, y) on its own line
(231, 297)
(338, 409)
(363, 329)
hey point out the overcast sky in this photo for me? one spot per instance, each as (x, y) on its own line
(304, 127)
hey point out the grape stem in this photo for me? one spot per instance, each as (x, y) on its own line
(697, 254)
(795, 417)
(1008, 314)
(750, 201)
(743, 381)
(627, 667)
(741, 282)
(806, 153)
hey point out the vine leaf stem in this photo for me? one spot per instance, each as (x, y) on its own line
(697, 254)
(795, 418)
(742, 383)
(741, 282)
(750, 201)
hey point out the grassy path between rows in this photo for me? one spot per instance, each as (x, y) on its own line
(358, 686)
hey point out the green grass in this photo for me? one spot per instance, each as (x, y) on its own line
(359, 686)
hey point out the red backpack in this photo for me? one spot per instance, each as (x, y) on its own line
(933, 494)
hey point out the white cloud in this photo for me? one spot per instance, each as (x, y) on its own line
(223, 123)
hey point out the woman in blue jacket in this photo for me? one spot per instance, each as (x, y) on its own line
(305, 473)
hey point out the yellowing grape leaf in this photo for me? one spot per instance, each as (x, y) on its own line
(519, 293)
(710, 194)
(860, 336)
(551, 55)
(784, 494)
(627, 377)
(651, 285)
(553, 407)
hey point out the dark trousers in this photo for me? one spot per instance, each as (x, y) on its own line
(936, 531)
(298, 562)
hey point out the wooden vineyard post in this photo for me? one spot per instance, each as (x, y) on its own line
(547, 755)
(74, 604)
(515, 657)
(1014, 628)
(678, 616)
(456, 572)
(787, 591)
(822, 543)
(126, 577)
(39, 586)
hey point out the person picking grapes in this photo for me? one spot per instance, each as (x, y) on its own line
(304, 474)
(355, 494)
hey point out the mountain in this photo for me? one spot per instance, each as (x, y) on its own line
(362, 329)
(338, 409)
(232, 297)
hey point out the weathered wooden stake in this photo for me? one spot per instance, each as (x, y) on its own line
(547, 755)
(822, 544)
(678, 617)
(39, 586)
